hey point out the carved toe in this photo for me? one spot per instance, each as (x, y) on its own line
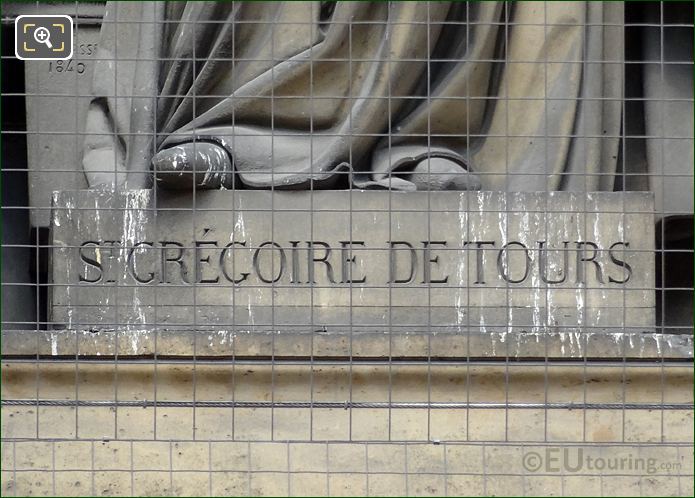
(199, 165)
(438, 173)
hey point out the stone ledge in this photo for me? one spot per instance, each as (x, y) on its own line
(241, 343)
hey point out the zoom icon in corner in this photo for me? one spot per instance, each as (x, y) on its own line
(43, 37)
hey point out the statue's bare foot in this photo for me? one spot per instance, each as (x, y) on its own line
(438, 173)
(200, 165)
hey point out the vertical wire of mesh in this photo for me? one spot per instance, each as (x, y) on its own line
(663, 197)
(155, 139)
(390, 224)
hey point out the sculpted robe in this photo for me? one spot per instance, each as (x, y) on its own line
(519, 96)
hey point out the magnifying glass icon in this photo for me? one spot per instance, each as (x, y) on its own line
(42, 35)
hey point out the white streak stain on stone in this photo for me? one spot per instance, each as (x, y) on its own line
(476, 231)
(54, 344)
(135, 222)
(503, 224)
(578, 220)
(461, 280)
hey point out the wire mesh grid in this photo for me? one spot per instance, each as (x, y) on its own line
(215, 317)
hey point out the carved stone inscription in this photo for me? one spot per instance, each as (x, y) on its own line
(296, 262)
(360, 261)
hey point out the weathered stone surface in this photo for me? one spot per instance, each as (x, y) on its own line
(472, 343)
(234, 449)
(354, 262)
(58, 96)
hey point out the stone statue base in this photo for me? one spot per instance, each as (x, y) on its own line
(354, 262)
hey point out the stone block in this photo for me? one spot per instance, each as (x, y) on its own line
(58, 96)
(351, 272)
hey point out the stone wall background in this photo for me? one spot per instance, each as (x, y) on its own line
(109, 451)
